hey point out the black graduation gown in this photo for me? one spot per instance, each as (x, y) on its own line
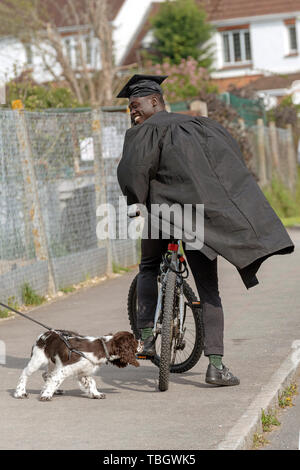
(176, 158)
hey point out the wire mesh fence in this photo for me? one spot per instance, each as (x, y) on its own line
(250, 110)
(274, 153)
(55, 170)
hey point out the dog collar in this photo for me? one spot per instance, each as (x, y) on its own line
(107, 355)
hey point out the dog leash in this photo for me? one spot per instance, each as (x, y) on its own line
(62, 336)
(26, 316)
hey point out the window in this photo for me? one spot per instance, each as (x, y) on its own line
(77, 52)
(293, 46)
(29, 55)
(226, 47)
(247, 45)
(236, 47)
(68, 49)
(76, 46)
(88, 50)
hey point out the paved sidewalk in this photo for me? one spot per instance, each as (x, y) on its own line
(260, 326)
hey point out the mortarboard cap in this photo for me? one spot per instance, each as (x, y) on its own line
(142, 85)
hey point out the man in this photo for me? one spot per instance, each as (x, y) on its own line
(171, 158)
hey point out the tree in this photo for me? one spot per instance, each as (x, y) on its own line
(35, 96)
(180, 31)
(37, 23)
(186, 80)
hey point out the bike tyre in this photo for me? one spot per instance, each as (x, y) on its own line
(196, 353)
(166, 332)
(131, 308)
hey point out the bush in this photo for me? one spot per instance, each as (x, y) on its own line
(185, 81)
(180, 31)
(11, 302)
(284, 203)
(37, 97)
(30, 297)
(285, 113)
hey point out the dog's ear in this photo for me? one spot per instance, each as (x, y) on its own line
(124, 345)
(119, 363)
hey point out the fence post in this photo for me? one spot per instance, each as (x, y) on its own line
(199, 107)
(274, 145)
(100, 178)
(291, 159)
(76, 148)
(262, 172)
(134, 242)
(242, 123)
(32, 198)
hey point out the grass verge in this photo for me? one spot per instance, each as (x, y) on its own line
(30, 297)
(67, 290)
(285, 203)
(117, 269)
(291, 221)
(11, 302)
(269, 419)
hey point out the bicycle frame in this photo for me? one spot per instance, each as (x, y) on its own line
(172, 247)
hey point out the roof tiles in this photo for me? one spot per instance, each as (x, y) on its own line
(226, 9)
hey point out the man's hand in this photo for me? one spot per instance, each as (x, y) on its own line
(133, 211)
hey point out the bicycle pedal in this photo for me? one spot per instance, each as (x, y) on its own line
(195, 304)
(142, 357)
(181, 346)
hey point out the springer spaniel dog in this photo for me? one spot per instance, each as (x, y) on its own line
(68, 354)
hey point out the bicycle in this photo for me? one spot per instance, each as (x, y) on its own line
(178, 318)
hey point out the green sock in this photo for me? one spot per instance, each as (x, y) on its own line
(146, 332)
(216, 361)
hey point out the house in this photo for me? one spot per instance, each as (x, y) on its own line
(126, 16)
(16, 56)
(273, 88)
(252, 39)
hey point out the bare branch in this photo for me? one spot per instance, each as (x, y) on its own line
(69, 74)
(73, 12)
(87, 75)
(40, 23)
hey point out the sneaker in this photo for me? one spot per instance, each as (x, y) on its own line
(215, 376)
(148, 348)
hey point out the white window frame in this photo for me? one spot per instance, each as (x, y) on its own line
(230, 34)
(29, 53)
(72, 51)
(89, 39)
(68, 49)
(292, 51)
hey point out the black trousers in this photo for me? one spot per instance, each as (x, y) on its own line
(206, 279)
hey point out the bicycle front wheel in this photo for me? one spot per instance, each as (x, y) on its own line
(167, 332)
(188, 356)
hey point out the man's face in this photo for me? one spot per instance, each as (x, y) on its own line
(141, 108)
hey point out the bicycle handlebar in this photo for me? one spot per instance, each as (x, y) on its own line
(136, 214)
(133, 211)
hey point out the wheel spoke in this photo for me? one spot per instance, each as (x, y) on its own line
(181, 359)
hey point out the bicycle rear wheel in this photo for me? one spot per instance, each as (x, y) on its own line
(187, 357)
